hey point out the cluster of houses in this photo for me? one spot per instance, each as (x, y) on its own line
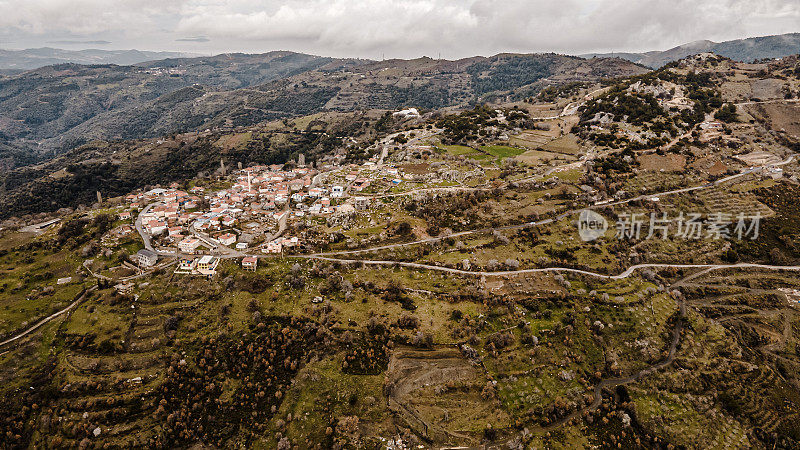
(169, 216)
(280, 244)
(260, 200)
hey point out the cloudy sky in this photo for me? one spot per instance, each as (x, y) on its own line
(394, 28)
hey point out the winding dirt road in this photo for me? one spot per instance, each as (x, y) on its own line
(47, 319)
(551, 220)
(508, 273)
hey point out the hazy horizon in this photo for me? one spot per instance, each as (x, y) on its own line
(55, 46)
(388, 28)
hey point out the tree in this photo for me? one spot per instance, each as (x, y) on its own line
(728, 113)
(408, 322)
(730, 256)
(402, 229)
(295, 278)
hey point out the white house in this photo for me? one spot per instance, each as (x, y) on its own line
(189, 245)
(156, 227)
(273, 247)
(250, 263)
(406, 113)
(174, 232)
(361, 203)
(146, 258)
(227, 238)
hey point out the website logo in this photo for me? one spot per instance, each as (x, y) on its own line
(591, 225)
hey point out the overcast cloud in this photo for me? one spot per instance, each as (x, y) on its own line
(394, 28)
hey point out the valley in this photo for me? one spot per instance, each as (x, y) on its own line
(394, 274)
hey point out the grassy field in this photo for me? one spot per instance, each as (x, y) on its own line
(538, 157)
(502, 151)
(567, 145)
(458, 150)
(530, 140)
(572, 175)
(28, 289)
(494, 152)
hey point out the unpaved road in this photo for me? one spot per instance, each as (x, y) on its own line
(48, 318)
(557, 218)
(508, 273)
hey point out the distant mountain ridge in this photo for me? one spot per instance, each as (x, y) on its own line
(34, 58)
(55, 108)
(746, 50)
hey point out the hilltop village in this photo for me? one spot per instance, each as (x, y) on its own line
(250, 215)
(424, 280)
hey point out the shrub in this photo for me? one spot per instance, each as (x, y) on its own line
(500, 340)
(408, 322)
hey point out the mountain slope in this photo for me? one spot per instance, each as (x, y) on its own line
(740, 50)
(354, 91)
(60, 107)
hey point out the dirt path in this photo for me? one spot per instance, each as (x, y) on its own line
(47, 319)
(506, 273)
(763, 102)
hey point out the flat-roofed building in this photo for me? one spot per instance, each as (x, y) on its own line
(250, 263)
(207, 265)
(189, 245)
(146, 258)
